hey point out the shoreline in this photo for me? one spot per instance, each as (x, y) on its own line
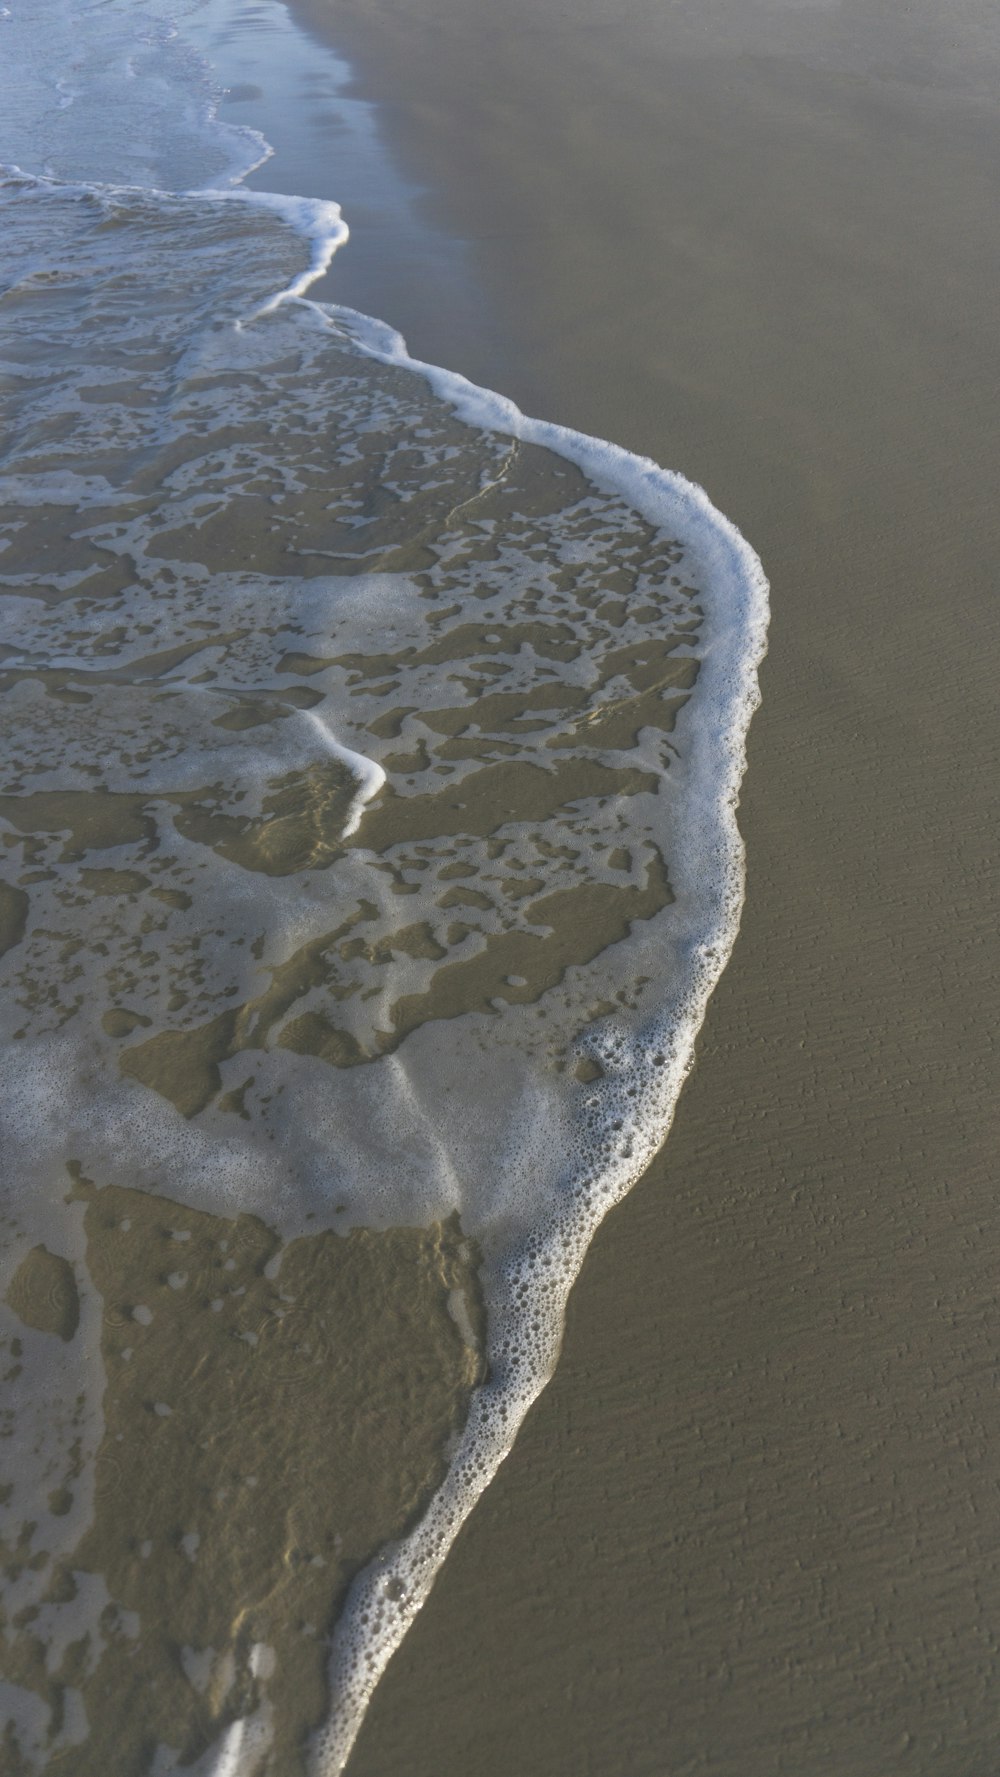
(751, 1527)
(751, 1524)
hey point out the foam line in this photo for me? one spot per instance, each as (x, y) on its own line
(318, 220)
(643, 1075)
(663, 496)
(370, 775)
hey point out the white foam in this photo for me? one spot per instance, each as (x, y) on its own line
(369, 774)
(556, 1175)
(317, 220)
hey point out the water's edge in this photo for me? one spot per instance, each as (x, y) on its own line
(641, 1073)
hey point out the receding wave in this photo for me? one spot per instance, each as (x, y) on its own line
(371, 765)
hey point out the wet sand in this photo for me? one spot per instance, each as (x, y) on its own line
(229, 1358)
(752, 1525)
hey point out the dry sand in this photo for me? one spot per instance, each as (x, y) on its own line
(753, 1526)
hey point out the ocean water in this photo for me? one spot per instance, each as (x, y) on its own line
(370, 765)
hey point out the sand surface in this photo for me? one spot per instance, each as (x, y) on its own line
(752, 1526)
(231, 1366)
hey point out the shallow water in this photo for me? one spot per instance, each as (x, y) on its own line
(371, 756)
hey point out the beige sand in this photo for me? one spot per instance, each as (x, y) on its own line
(752, 1527)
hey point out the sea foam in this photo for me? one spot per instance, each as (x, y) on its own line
(624, 1119)
(485, 602)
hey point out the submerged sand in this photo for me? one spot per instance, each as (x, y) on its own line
(273, 1412)
(752, 1525)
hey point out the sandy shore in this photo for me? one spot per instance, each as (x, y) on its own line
(752, 1526)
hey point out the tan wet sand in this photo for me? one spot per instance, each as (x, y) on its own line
(272, 1413)
(753, 1524)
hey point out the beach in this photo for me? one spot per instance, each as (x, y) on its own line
(750, 1525)
(372, 757)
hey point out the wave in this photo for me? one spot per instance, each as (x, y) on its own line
(428, 716)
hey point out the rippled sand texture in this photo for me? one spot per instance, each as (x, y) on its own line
(368, 855)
